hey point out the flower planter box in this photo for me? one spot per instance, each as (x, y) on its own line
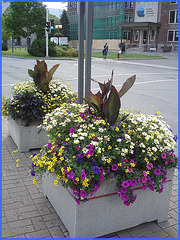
(105, 212)
(26, 138)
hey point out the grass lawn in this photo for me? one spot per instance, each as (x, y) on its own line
(18, 52)
(113, 55)
(21, 52)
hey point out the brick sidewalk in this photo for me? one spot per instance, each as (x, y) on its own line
(26, 213)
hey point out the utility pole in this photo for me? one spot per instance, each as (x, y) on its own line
(46, 33)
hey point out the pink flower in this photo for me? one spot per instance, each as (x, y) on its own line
(171, 160)
(144, 173)
(83, 193)
(133, 183)
(166, 162)
(90, 152)
(114, 167)
(157, 171)
(123, 190)
(163, 155)
(78, 147)
(71, 130)
(83, 175)
(125, 197)
(125, 184)
(149, 166)
(126, 203)
(101, 178)
(144, 187)
(144, 179)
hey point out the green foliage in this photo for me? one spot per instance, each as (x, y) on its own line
(26, 107)
(41, 76)
(38, 48)
(25, 18)
(107, 103)
(65, 51)
(4, 47)
(64, 21)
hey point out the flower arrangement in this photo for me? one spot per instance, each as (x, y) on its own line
(31, 100)
(85, 149)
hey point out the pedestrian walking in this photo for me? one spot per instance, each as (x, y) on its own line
(105, 50)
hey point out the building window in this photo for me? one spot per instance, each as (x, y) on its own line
(127, 35)
(172, 36)
(136, 35)
(173, 16)
(153, 35)
(128, 18)
(129, 5)
(173, 2)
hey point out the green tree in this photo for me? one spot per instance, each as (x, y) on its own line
(25, 18)
(64, 21)
(6, 33)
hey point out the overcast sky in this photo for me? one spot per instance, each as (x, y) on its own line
(57, 5)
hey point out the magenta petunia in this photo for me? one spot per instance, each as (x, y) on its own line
(157, 171)
(144, 187)
(125, 197)
(123, 190)
(125, 184)
(133, 183)
(114, 167)
(126, 203)
(101, 178)
(90, 152)
(144, 179)
(71, 130)
(163, 155)
(83, 193)
(149, 166)
(151, 187)
(171, 160)
(83, 175)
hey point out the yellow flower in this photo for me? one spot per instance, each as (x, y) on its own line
(77, 179)
(17, 160)
(117, 129)
(109, 147)
(56, 182)
(109, 160)
(34, 182)
(14, 151)
(120, 164)
(132, 164)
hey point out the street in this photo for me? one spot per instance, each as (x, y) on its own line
(156, 82)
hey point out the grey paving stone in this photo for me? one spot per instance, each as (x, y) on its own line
(123, 234)
(140, 232)
(159, 234)
(6, 233)
(54, 223)
(20, 223)
(22, 230)
(172, 232)
(56, 232)
(173, 214)
(170, 222)
(39, 234)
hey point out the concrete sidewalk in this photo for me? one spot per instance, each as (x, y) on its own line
(26, 213)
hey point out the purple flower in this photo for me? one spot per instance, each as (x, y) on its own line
(83, 175)
(126, 203)
(175, 138)
(71, 130)
(157, 171)
(114, 167)
(149, 166)
(119, 193)
(133, 183)
(49, 145)
(90, 152)
(33, 173)
(123, 190)
(83, 193)
(95, 169)
(125, 184)
(163, 155)
(144, 187)
(125, 197)
(78, 147)
(96, 187)
(101, 178)
(144, 179)
(151, 187)
(72, 175)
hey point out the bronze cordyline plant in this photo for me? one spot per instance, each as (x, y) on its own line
(41, 76)
(107, 103)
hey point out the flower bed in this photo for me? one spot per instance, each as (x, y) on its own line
(85, 150)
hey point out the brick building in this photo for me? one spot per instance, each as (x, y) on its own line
(141, 24)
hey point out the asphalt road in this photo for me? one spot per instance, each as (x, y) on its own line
(156, 81)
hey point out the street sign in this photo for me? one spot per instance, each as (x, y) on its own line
(58, 26)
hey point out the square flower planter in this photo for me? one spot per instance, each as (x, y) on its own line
(26, 138)
(105, 212)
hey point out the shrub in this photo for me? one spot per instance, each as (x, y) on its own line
(38, 48)
(4, 47)
(65, 51)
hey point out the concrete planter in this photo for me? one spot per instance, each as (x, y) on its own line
(26, 138)
(106, 214)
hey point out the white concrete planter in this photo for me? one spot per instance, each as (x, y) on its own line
(107, 214)
(26, 138)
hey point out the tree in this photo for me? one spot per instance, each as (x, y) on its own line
(25, 18)
(64, 21)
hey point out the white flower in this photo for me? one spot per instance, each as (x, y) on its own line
(85, 150)
(156, 141)
(104, 159)
(142, 145)
(154, 149)
(76, 141)
(101, 130)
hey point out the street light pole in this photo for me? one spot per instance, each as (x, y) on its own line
(46, 33)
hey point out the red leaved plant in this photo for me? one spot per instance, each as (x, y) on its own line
(41, 76)
(107, 103)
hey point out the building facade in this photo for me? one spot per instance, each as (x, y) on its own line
(140, 24)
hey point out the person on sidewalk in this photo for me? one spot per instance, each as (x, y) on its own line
(105, 50)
